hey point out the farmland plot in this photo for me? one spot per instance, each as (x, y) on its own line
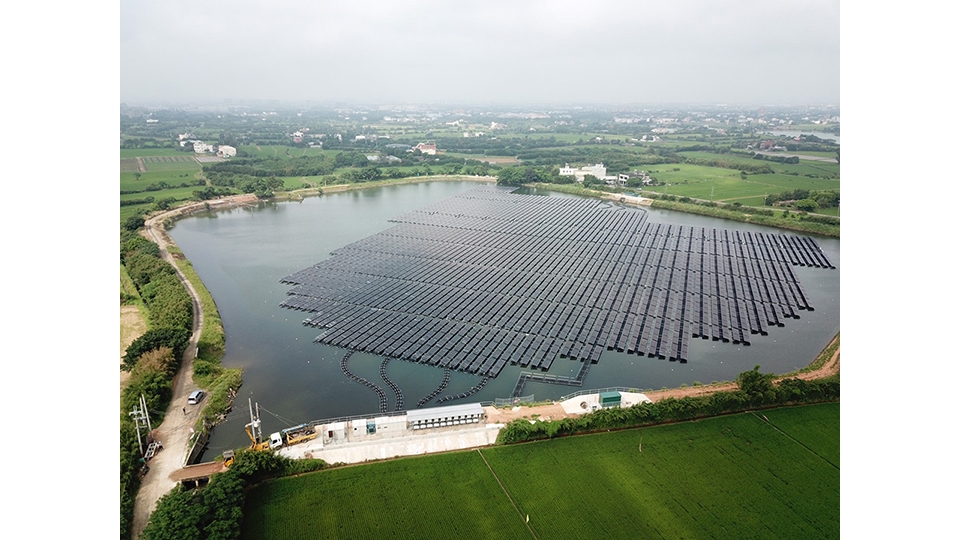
(730, 477)
(737, 476)
(442, 496)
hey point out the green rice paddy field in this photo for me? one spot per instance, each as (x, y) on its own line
(740, 476)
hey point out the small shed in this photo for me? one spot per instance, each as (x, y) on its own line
(609, 399)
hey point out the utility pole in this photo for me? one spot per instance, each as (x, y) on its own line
(143, 407)
(255, 422)
(139, 414)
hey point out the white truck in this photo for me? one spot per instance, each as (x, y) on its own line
(292, 435)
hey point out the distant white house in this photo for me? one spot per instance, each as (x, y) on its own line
(201, 147)
(225, 151)
(426, 148)
(598, 171)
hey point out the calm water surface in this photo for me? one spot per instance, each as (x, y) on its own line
(242, 253)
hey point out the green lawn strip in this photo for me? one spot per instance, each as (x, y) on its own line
(441, 496)
(212, 341)
(208, 373)
(174, 164)
(178, 193)
(144, 152)
(793, 222)
(722, 477)
(804, 167)
(713, 183)
(174, 178)
(777, 183)
(265, 151)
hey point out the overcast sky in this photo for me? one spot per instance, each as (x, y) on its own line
(484, 52)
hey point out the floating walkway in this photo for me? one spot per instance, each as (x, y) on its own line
(393, 386)
(487, 278)
(526, 376)
(380, 394)
(435, 393)
(468, 393)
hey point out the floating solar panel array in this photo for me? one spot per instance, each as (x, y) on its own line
(488, 278)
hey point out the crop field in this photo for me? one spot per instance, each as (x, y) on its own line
(442, 496)
(266, 151)
(728, 477)
(297, 182)
(128, 165)
(178, 193)
(144, 152)
(129, 181)
(171, 163)
(775, 183)
(726, 185)
(816, 434)
(818, 168)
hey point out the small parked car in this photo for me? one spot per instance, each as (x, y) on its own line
(195, 397)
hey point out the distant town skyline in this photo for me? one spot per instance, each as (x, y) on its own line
(486, 53)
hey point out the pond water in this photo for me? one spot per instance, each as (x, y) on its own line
(242, 253)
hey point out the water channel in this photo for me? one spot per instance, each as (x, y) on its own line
(242, 253)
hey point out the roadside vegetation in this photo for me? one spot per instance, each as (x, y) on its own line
(215, 512)
(154, 358)
(755, 391)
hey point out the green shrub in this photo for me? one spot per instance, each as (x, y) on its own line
(756, 390)
(216, 510)
(175, 338)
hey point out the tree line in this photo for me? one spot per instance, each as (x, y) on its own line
(153, 358)
(755, 391)
(806, 200)
(215, 512)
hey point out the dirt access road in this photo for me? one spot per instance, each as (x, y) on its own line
(556, 412)
(179, 419)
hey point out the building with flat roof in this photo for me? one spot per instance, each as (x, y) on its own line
(453, 415)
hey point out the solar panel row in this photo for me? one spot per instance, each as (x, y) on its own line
(489, 278)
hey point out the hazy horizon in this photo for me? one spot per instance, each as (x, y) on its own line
(494, 53)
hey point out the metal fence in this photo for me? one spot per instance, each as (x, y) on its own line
(372, 415)
(599, 390)
(500, 402)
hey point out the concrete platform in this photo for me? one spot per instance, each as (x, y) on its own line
(591, 402)
(417, 443)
